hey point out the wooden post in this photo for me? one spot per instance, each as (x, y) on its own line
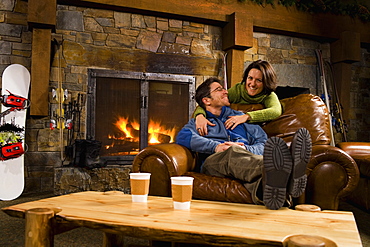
(235, 66)
(345, 51)
(237, 36)
(304, 241)
(307, 207)
(40, 72)
(39, 231)
(343, 77)
(113, 240)
(42, 18)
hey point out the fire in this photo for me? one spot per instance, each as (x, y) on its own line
(126, 140)
(157, 131)
(122, 125)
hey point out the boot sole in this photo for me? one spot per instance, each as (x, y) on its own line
(301, 149)
(278, 166)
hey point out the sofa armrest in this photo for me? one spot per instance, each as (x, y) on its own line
(163, 161)
(355, 149)
(332, 174)
(360, 152)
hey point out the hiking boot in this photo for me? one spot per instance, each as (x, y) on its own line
(300, 148)
(277, 162)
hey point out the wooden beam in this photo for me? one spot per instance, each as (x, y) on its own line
(274, 19)
(347, 48)
(40, 72)
(237, 36)
(42, 13)
(238, 32)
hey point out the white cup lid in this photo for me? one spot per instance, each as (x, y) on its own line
(182, 180)
(140, 175)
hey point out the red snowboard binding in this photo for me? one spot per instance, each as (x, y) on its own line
(11, 151)
(14, 101)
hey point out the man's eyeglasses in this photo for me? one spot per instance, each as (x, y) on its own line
(217, 89)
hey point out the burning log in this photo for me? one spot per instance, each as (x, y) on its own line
(162, 138)
(156, 138)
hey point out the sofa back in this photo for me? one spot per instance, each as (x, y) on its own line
(304, 110)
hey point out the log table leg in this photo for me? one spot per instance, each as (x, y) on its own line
(113, 240)
(307, 240)
(39, 230)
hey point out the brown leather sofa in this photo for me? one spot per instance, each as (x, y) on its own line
(360, 152)
(332, 173)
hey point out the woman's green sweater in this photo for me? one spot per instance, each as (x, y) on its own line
(238, 95)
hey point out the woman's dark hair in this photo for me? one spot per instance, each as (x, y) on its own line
(269, 78)
(204, 90)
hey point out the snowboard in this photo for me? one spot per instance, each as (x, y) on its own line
(14, 100)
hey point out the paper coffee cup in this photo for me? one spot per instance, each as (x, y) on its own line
(182, 191)
(139, 186)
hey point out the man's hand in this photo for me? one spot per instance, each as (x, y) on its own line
(234, 121)
(201, 124)
(224, 146)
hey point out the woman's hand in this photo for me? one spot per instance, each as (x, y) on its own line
(234, 121)
(221, 147)
(224, 146)
(201, 124)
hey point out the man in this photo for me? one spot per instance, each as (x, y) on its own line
(264, 165)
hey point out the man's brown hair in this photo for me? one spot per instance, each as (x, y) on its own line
(204, 90)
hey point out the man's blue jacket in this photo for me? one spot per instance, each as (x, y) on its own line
(251, 135)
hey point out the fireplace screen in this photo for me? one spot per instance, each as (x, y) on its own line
(127, 111)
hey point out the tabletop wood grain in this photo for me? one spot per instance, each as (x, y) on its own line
(206, 222)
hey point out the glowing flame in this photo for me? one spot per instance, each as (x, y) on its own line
(155, 130)
(122, 125)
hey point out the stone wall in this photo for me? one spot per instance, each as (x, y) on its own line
(293, 58)
(114, 40)
(71, 179)
(15, 38)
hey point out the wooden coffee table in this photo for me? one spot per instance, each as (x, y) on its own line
(207, 222)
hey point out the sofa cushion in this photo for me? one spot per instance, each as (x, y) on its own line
(212, 188)
(304, 110)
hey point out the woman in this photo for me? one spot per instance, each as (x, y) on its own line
(257, 87)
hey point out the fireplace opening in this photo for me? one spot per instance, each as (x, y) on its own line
(127, 111)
